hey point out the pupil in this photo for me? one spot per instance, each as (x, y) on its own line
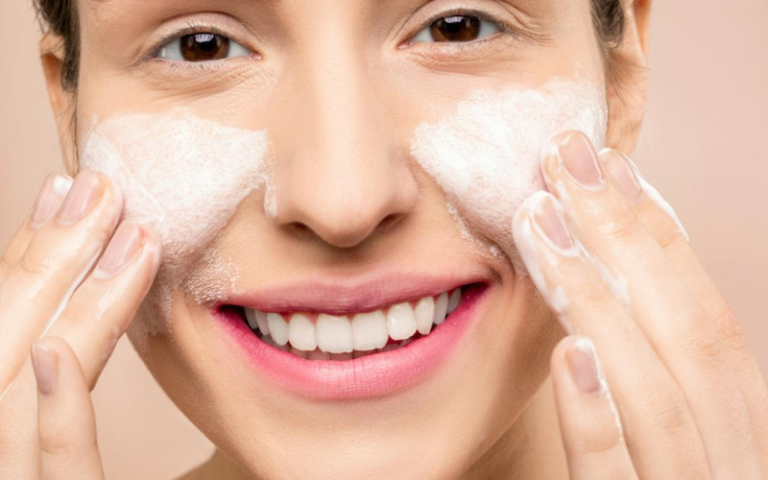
(200, 47)
(458, 28)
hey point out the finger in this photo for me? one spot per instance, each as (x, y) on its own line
(661, 222)
(653, 409)
(49, 199)
(108, 299)
(57, 259)
(19, 450)
(589, 422)
(663, 306)
(66, 423)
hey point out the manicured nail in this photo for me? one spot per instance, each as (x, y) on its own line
(125, 243)
(551, 223)
(622, 173)
(46, 365)
(49, 199)
(580, 159)
(81, 198)
(582, 363)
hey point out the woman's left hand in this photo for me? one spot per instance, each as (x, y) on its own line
(614, 265)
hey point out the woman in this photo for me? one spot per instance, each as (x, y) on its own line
(330, 301)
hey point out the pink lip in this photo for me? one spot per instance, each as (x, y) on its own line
(375, 375)
(342, 296)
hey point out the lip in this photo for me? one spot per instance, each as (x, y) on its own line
(345, 296)
(376, 375)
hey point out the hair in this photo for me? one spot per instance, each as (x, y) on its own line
(60, 17)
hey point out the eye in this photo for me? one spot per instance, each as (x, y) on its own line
(202, 47)
(457, 28)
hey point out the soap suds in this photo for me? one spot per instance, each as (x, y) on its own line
(485, 156)
(182, 175)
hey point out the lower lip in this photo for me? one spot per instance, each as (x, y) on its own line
(376, 375)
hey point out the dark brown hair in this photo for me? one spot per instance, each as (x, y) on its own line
(60, 17)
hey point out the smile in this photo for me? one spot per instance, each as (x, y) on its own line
(353, 344)
(331, 337)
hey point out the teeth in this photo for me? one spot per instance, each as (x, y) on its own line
(258, 319)
(278, 329)
(425, 315)
(453, 302)
(369, 331)
(401, 322)
(441, 308)
(301, 332)
(334, 334)
(337, 338)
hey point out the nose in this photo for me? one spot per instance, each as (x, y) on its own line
(339, 171)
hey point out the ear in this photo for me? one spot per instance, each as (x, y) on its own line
(628, 80)
(62, 101)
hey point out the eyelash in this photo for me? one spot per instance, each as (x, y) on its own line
(190, 30)
(464, 12)
(480, 15)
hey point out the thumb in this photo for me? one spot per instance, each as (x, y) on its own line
(66, 423)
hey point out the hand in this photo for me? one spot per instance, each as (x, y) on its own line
(50, 272)
(616, 269)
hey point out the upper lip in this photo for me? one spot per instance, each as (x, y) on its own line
(352, 294)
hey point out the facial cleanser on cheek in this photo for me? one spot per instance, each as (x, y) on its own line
(485, 156)
(182, 175)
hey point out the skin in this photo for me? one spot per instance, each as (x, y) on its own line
(689, 394)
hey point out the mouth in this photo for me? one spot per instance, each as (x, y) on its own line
(332, 342)
(323, 336)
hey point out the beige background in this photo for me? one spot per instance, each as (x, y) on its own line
(704, 146)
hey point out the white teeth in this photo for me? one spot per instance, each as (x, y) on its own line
(453, 302)
(278, 329)
(256, 319)
(401, 322)
(337, 338)
(369, 331)
(441, 308)
(425, 315)
(250, 315)
(334, 334)
(301, 332)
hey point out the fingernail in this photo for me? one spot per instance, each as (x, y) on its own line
(582, 363)
(126, 241)
(81, 198)
(622, 173)
(552, 224)
(580, 159)
(46, 365)
(49, 199)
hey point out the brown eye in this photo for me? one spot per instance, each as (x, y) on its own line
(457, 29)
(200, 47)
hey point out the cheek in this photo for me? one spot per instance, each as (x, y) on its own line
(182, 175)
(486, 155)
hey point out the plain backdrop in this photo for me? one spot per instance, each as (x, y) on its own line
(704, 147)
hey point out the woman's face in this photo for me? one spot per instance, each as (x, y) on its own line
(320, 206)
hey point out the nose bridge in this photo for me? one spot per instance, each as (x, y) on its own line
(345, 173)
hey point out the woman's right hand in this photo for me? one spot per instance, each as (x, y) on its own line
(75, 262)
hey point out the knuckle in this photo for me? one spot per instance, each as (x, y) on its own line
(669, 410)
(32, 266)
(707, 350)
(621, 225)
(732, 333)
